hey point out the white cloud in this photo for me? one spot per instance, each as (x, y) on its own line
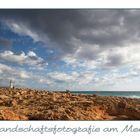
(121, 56)
(64, 77)
(8, 71)
(22, 29)
(5, 68)
(12, 73)
(112, 67)
(24, 75)
(30, 58)
(104, 58)
(11, 57)
(72, 78)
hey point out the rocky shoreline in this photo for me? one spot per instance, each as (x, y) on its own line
(29, 104)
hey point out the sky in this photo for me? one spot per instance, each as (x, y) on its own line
(70, 49)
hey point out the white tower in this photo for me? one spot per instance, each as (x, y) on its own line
(11, 84)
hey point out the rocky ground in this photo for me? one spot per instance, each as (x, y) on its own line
(28, 104)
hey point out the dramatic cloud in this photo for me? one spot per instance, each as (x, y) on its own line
(70, 30)
(88, 46)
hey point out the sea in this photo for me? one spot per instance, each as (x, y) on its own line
(128, 94)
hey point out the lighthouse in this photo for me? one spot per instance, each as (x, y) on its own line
(11, 84)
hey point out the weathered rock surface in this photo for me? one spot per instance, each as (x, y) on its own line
(6, 114)
(27, 104)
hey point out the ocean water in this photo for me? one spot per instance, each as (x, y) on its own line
(128, 94)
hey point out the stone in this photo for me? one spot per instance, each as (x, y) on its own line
(10, 115)
(24, 104)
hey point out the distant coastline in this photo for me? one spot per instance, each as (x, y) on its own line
(128, 94)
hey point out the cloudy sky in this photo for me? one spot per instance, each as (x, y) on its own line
(70, 49)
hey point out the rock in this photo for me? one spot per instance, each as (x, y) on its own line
(24, 104)
(121, 105)
(132, 112)
(10, 115)
(4, 97)
(14, 102)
